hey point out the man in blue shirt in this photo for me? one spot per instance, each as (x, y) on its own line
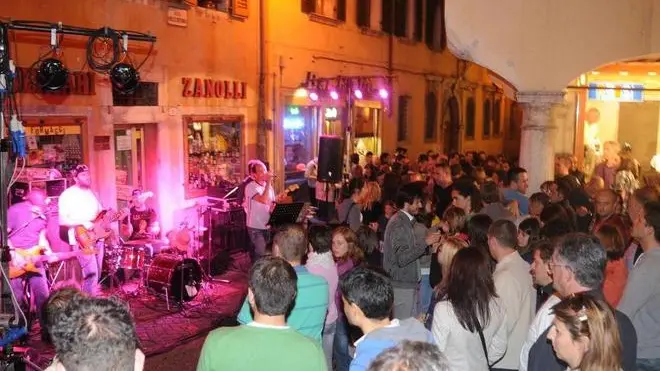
(311, 305)
(518, 184)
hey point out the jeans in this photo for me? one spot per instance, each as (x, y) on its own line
(648, 364)
(425, 294)
(38, 287)
(406, 302)
(91, 266)
(259, 239)
(340, 347)
(328, 340)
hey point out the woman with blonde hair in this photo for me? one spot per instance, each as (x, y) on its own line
(585, 335)
(368, 199)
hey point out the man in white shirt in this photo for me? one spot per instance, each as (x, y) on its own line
(311, 172)
(540, 271)
(79, 206)
(258, 201)
(513, 285)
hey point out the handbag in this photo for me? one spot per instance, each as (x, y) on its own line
(483, 344)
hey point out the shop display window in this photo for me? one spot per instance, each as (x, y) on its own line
(213, 153)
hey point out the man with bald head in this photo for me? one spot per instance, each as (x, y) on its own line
(26, 223)
(607, 205)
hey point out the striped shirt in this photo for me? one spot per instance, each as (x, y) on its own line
(308, 313)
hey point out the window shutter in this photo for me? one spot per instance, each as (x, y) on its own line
(497, 117)
(363, 13)
(400, 17)
(419, 20)
(487, 116)
(431, 5)
(341, 10)
(470, 108)
(387, 12)
(308, 6)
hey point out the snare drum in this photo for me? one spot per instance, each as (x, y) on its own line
(175, 276)
(132, 257)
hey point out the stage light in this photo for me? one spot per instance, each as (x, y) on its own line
(52, 74)
(334, 95)
(358, 93)
(383, 93)
(301, 93)
(313, 96)
(124, 77)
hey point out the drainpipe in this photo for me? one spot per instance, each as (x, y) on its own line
(262, 130)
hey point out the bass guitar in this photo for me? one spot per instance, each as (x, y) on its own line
(87, 238)
(34, 257)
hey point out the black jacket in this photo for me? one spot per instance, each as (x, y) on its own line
(542, 356)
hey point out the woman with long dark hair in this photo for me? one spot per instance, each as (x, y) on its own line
(469, 326)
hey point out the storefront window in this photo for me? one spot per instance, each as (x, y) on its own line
(300, 136)
(213, 151)
(367, 126)
(54, 144)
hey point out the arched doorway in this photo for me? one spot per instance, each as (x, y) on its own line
(451, 125)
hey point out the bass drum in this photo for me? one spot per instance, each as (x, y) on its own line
(172, 275)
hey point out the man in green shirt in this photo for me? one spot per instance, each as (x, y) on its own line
(266, 343)
(311, 304)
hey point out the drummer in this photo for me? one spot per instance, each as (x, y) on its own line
(141, 225)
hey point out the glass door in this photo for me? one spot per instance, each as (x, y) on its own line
(129, 161)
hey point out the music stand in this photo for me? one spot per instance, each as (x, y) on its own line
(285, 214)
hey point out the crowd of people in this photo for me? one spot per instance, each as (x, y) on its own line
(453, 263)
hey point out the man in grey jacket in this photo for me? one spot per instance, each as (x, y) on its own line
(402, 250)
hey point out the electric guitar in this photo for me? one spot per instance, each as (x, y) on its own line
(34, 257)
(87, 238)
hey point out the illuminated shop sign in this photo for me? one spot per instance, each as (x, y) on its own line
(621, 92)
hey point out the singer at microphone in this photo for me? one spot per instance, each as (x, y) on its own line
(257, 200)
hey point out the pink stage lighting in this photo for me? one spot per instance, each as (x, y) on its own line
(358, 93)
(334, 95)
(313, 96)
(383, 93)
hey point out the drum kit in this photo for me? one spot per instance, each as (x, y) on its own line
(174, 273)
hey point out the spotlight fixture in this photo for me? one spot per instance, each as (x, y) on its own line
(301, 92)
(313, 96)
(125, 78)
(334, 95)
(358, 93)
(52, 74)
(383, 93)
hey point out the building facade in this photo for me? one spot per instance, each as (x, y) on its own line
(219, 88)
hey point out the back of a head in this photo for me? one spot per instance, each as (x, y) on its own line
(586, 258)
(406, 195)
(370, 290)
(490, 192)
(505, 232)
(477, 229)
(291, 242)
(273, 283)
(94, 334)
(320, 238)
(652, 217)
(410, 356)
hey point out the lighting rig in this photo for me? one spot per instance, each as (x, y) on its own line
(348, 89)
(107, 53)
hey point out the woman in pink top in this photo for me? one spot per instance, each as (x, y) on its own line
(321, 263)
(616, 272)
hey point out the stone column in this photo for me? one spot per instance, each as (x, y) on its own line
(537, 153)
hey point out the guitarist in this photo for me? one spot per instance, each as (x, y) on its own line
(26, 223)
(79, 206)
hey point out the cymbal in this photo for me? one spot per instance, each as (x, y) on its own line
(139, 242)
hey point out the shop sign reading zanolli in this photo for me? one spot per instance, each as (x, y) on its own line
(209, 88)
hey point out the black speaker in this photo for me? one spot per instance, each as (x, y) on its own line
(330, 159)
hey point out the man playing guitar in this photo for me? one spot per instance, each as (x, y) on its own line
(79, 206)
(26, 224)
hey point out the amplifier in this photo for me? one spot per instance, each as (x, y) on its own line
(228, 216)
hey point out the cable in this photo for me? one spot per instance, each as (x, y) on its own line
(108, 38)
